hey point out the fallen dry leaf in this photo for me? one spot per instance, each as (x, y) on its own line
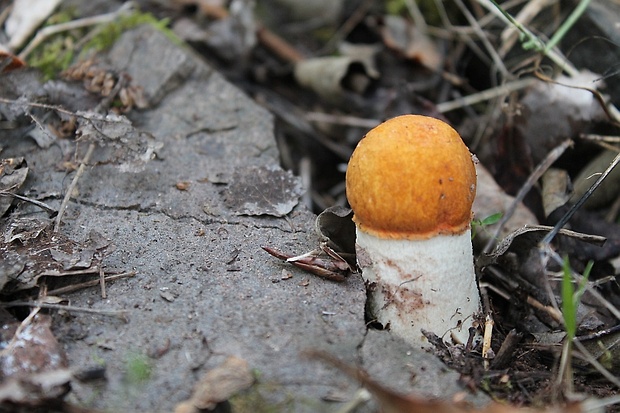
(405, 38)
(218, 385)
(33, 349)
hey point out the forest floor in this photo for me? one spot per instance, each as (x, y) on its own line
(141, 181)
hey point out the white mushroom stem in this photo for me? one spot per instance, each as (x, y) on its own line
(425, 284)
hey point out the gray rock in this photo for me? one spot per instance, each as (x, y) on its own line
(204, 289)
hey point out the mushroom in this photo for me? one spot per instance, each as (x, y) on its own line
(411, 182)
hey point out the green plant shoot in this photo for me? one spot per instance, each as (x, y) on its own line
(529, 41)
(571, 298)
(482, 223)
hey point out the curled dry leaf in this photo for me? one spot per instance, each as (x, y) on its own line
(218, 385)
(405, 38)
(323, 262)
(334, 259)
(331, 77)
(523, 240)
(336, 231)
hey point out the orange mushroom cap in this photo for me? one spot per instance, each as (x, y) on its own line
(411, 177)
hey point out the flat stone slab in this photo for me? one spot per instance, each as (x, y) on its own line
(204, 288)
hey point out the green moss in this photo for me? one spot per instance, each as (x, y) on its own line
(138, 368)
(59, 51)
(52, 57)
(110, 32)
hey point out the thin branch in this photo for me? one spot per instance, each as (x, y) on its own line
(40, 204)
(72, 25)
(122, 314)
(91, 283)
(497, 60)
(485, 95)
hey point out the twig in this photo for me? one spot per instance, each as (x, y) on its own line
(72, 25)
(485, 95)
(497, 60)
(278, 45)
(102, 282)
(505, 352)
(122, 314)
(78, 174)
(487, 351)
(600, 138)
(101, 107)
(5, 13)
(41, 106)
(344, 120)
(40, 204)
(416, 14)
(91, 283)
(550, 310)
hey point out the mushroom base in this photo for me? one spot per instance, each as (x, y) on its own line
(420, 284)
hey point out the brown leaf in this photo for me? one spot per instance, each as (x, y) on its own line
(218, 385)
(33, 349)
(32, 250)
(403, 37)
